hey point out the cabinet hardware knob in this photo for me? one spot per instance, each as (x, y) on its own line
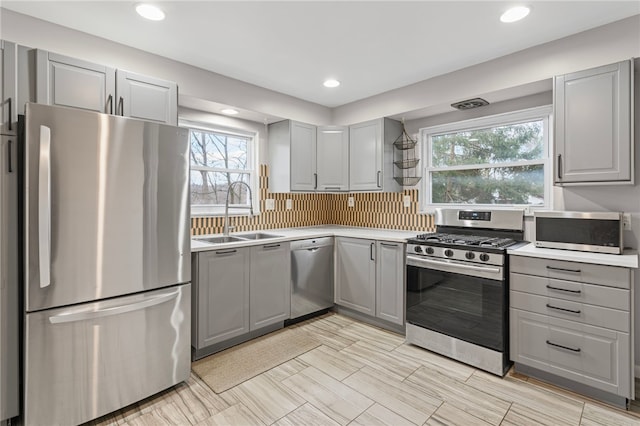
(550, 287)
(563, 347)
(226, 251)
(573, 311)
(553, 268)
(10, 115)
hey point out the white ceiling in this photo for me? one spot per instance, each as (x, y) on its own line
(292, 46)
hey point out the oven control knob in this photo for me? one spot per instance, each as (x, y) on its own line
(417, 249)
(448, 253)
(470, 255)
(429, 250)
(484, 257)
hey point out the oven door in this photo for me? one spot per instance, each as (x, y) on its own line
(464, 301)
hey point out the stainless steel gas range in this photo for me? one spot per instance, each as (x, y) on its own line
(457, 286)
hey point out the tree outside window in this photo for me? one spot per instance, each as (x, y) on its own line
(501, 164)
(217, 160)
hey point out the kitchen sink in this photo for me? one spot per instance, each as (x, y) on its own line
(220, 240)
(258, 236)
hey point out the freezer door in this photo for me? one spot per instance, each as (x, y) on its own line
(107, 208)
(89, 360)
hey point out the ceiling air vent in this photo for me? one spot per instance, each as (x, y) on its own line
(470, 104)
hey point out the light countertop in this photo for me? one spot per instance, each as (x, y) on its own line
(291, 234)
(629, 259)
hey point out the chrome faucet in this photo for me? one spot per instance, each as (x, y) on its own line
(225, 232)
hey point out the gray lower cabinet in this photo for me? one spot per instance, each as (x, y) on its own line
(370, 277)
(356, 274)
(72, 82)
(220, 296)
(239, 293)
(390, 268)
(571, 323)
(270, 291)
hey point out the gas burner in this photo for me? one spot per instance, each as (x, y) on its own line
(466, 240)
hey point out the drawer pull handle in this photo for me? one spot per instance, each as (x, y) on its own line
(550, 287)
(563, 347)
(271, 246)
(226, 252)
(552, 268)
(563, 309)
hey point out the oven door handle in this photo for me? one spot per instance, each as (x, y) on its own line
(450, 266)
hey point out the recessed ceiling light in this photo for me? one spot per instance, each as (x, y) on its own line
(229, 111)
(149, 11)
(515, 14)
(331, 83)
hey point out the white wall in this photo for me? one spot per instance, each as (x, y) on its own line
(192, 81)
(607, 44)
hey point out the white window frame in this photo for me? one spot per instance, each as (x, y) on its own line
(200, 210)
(538, 113)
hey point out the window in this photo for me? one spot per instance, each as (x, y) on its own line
(218, 159)
(500, 160)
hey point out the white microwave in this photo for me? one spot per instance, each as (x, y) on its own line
(599, 232)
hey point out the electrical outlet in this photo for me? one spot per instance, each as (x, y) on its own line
(626, 221)
(289, 204)
(351, 202)
(269, 204)
(407, 201)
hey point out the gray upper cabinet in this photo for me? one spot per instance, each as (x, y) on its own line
(71, 82)
(220, 296)
(371, 155)
(270, 289)
(8, 88)
(292, 156)
(593, 131)
(147, 98)
(370, 277)
(332, 158)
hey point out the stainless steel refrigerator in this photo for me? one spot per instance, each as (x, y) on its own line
(107, 262)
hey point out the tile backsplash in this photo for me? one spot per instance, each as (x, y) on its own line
(370, 209)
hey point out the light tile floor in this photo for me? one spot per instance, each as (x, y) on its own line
(362, 375)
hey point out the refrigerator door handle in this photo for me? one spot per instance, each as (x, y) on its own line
(44, 207)
(114, 310)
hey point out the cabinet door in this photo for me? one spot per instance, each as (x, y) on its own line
(270, 294)
(595, 356)
(593, 125)
(303, 157)
(9, 277)
(333, 159)
(365, 156)
(8, 88)
(223, 295)
(390, 281)
(146, 98)
(356, 274)
(70, 82)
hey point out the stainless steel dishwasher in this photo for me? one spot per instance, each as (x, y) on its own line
(311, 276)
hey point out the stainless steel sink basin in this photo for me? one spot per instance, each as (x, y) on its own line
(258, 236)
(220, 240)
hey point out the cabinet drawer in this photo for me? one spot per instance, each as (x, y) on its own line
(610, 276)
(599, 295)
(573, 311)
(594, 356)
